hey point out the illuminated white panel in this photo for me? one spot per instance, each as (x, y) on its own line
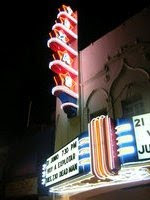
(64, 89)
(69, 104)
(141, 125)
(58, 41)
(63, 164)
(63, 13)
(59, 25)
(67, 67)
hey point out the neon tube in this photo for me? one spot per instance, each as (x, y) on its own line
(65, 46)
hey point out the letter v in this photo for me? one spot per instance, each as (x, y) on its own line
(148, 132)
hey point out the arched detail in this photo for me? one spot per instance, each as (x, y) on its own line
(131, 84)
(102, 96)
(116, 79)
(126, 64)
(92, 94)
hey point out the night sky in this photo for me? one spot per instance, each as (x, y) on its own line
(24, 72)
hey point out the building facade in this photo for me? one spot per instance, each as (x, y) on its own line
(114, 80)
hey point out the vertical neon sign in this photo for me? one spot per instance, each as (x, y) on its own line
(63, 42)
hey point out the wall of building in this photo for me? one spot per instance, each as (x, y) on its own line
(112, 69)
(20, 188)
(115, 68)
(66, 129)
(114, 76)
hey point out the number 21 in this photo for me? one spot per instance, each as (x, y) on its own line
(139, 122)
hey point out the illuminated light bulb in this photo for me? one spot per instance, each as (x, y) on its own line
(43, 181)
(125, 139)
(123, 128)
(66, 58)
(67, 23)
(43, 174)
(68, 81)
(126, 150)
(44, 166)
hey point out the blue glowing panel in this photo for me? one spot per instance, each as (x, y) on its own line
(71, 111)
(127, 150)
(64, 97)
(84, 153)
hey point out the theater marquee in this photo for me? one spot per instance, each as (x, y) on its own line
(63, 164)
(111, 152)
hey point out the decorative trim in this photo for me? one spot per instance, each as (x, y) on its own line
(69, 104)
(137, 69)
(64, 65)
(93, 92)
(59, 25)
(64, 89)
(63, 13)
(65, 46)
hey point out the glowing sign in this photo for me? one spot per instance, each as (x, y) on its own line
(62, 36)
(126, 141)
(92, 159)
(133, 136)
(63, 164)
(71, 160)
(68, 81)
(67, 23)
(142, 134)
(66, 58)
(63, 41)
(69, 10)
(103, 146)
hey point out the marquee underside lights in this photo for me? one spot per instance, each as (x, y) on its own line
(63, 41)
(110, 153)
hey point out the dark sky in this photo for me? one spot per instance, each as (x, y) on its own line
(24, 72)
